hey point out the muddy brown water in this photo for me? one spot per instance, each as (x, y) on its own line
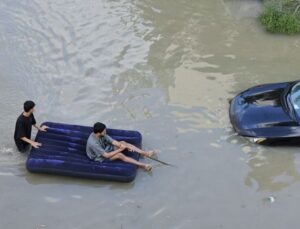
(167, 69)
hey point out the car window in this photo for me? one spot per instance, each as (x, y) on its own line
(295, 98)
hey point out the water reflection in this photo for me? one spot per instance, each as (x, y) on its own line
(271, 168)
(48, 179)
(203, 96)
(197, 58)
(243, 8)
(69, 57)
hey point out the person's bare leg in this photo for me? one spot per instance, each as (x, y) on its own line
(122, 157)
(136, 149)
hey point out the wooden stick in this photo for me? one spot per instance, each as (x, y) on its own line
(162, 162)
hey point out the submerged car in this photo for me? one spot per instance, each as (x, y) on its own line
(269, 111)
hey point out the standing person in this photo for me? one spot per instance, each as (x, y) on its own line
(101, 146)
(23, 128)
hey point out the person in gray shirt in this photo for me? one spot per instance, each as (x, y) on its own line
(101, 146)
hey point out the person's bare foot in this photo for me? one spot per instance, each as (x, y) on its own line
(149, 153)
(148, 167)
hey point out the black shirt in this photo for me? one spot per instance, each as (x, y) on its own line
(23, 129)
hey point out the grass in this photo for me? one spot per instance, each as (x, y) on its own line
(281, 16)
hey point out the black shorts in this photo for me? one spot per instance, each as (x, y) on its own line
(22, 147)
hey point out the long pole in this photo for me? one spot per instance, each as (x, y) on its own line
(162, 162)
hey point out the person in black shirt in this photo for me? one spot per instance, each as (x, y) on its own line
(23, 128)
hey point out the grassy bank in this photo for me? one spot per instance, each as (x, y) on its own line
(281, 16)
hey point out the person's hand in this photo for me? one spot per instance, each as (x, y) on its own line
(130, 149)
(36, 145)
(119, 144)
(122, 147)
(43, 128)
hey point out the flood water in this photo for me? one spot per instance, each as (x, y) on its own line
(167, 69)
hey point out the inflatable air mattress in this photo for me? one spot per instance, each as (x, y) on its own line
(63, 153)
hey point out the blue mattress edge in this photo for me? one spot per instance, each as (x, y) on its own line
(107, 177)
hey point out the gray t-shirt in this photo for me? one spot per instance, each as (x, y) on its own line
(96, 147)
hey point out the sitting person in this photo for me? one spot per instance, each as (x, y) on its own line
(101, 146)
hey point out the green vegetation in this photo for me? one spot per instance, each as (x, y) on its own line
(281, 16)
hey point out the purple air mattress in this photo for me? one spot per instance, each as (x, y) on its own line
(63, 153)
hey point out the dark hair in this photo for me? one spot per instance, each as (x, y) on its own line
(28, 105)
(99, 127)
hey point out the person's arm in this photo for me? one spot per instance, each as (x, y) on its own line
(116, 143)
(33, 143)
(113, 153)
(20, 134)
(99, 151)
(119, 145)
(41, 128)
